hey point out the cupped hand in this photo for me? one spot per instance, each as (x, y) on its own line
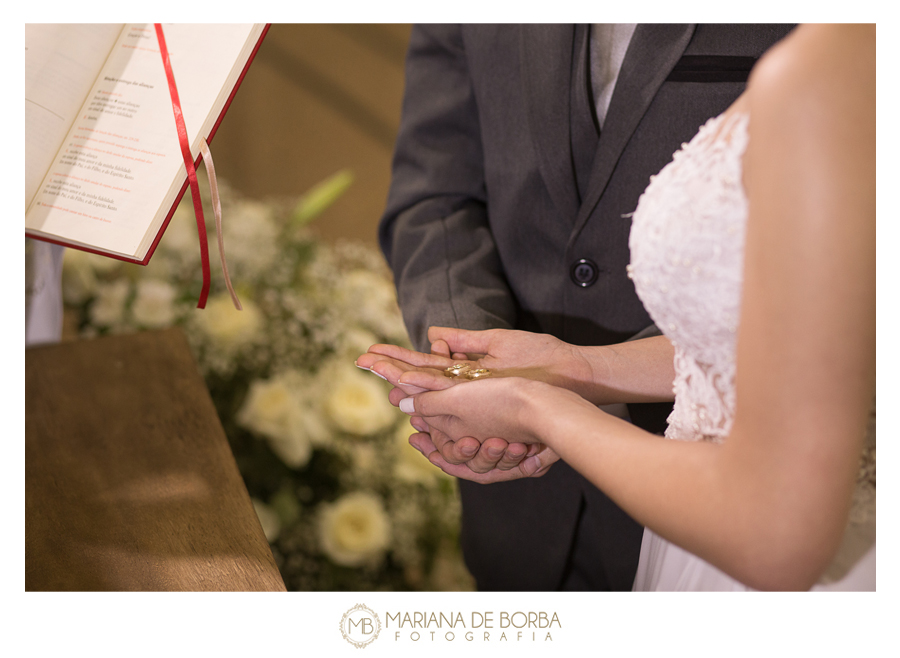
(534, 465)
(480, 457)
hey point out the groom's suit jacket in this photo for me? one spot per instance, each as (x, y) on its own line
(507, 210)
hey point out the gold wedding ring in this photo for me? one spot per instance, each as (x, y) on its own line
(480, 373)
(455, 370)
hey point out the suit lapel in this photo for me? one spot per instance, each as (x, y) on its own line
(546, 56)
(652, 54)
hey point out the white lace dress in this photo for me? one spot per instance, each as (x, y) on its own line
(687, 253)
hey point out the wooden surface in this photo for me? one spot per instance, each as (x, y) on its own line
(129, 480)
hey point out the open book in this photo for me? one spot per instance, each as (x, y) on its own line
(103, 165)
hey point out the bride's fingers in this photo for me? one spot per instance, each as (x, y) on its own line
(401, 393)
(439, 403)
(396, 395)
(393, 371)
(427, 379)
(369, 360)
(389, 370)
(418, 359)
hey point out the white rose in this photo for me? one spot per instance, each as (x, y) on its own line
(357, 402)
(225, 326)
(154, 304)
(354, 529)
(266, 408)
(412, 465)
(268, 519)
(280, 410)
(108, 307)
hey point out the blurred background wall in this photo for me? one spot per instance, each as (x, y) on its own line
(318, 98)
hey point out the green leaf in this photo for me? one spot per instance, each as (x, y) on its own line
(320, 197)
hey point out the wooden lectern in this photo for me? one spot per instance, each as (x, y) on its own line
(129, 480)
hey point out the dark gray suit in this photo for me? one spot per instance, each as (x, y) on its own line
(507, 210)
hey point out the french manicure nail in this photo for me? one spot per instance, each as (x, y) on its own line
(408, 406)
(370, 370)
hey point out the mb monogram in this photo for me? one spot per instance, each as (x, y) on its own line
(360, 626)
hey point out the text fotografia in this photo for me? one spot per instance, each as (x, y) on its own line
(479, 626)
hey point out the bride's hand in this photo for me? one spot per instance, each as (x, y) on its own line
(504, 352)
(506, 407)
(391, 362)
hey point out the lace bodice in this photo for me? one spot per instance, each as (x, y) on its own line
(687, 257)
(687, 254)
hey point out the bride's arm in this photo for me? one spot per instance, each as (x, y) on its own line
(769, 505)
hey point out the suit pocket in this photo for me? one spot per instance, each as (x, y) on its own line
(711, 68)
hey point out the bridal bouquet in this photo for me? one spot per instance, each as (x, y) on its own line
(345, 502)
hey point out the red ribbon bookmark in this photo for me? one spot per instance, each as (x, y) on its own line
(188, 164)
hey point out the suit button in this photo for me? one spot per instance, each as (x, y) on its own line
(584, 272)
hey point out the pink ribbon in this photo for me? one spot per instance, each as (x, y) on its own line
(217, 211)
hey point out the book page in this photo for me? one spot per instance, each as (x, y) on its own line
(61, 65)
(120, 166)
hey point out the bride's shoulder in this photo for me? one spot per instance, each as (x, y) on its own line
(820, 69)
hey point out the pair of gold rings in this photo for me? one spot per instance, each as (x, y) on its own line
(464, 370)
